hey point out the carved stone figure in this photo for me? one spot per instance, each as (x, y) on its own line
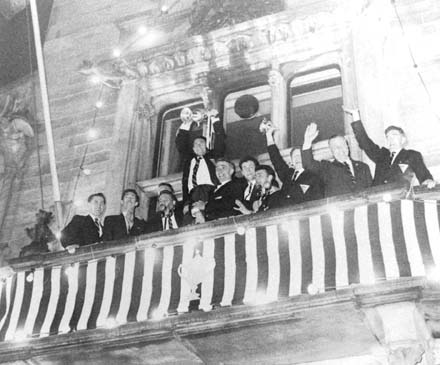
(16, 139)
(110, 77)
(43, 239)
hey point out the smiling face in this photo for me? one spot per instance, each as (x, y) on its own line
(224, 171)
(395, 140)
(129, 202)
(165, 203)
(339, 148)
(97, 206)
(248, 170)
(199, 147)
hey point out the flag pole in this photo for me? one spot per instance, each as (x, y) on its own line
(46, 113)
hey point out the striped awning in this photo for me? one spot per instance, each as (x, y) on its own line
(363, 245)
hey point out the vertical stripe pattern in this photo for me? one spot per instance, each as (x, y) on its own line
(382, 241)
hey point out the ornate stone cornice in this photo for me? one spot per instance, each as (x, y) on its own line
(245, 43)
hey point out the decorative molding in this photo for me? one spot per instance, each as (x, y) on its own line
(275, 31)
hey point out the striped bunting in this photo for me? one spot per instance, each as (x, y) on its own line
(364, 245)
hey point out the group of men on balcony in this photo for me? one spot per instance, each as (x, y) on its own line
(212, 191)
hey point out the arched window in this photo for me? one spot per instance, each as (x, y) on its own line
(169, 160)
(243, 135)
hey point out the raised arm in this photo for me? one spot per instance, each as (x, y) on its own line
(309, 162)
(372, 150)
(281, 167)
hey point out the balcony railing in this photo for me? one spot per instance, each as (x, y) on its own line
(316, 247)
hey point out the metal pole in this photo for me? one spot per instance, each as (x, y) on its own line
(46, 113)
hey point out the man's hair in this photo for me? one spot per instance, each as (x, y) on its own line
(196, 138)
(126, 191)
(394, 128)
(168, 185)
(89, 199)
(222, 159)
(269, 170)
(167, 192)
(248, 158)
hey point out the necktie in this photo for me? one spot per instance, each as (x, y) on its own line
(295, 175)
(170, 222)
(98, 225)
(347, 166)
(248, 191)
(392, 157)
(195, 169)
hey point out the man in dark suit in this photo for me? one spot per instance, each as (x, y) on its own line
(394, 164)
(342, 175)
(124, 225)
(221, 202)
(168, 215)
(248, 164)
(84, 230)
(199, 178)
(299, 185)
(270, 196)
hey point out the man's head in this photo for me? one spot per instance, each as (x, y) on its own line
(265, 176)
(295, 158)
(224, 170)
(247, 166)
(96, 204)
(396, 138)
(129, 200)
(339, 148)
(186, 115)
(199, 146)
(166, 202)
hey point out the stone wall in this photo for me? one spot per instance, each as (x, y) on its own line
(385, 85)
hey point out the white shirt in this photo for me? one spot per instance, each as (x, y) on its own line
(203, 176)
(127, 223)
(350, 164)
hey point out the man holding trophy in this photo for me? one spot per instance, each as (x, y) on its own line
(199, 178)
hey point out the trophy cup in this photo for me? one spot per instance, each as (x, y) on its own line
(195, 272)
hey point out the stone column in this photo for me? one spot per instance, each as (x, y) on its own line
(279, 107)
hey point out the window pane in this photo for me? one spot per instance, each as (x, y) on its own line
(243, 135)
(169, 160)
(316, 97)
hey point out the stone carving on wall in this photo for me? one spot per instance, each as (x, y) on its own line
(208, 15)
(276, 32)
(16, 142)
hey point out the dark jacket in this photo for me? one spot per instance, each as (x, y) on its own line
(337, 179)
(222, 201)
(312, 186)
(154, 224)
(184, 145)
(115, 228)
(81, 231)
(409, 160)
